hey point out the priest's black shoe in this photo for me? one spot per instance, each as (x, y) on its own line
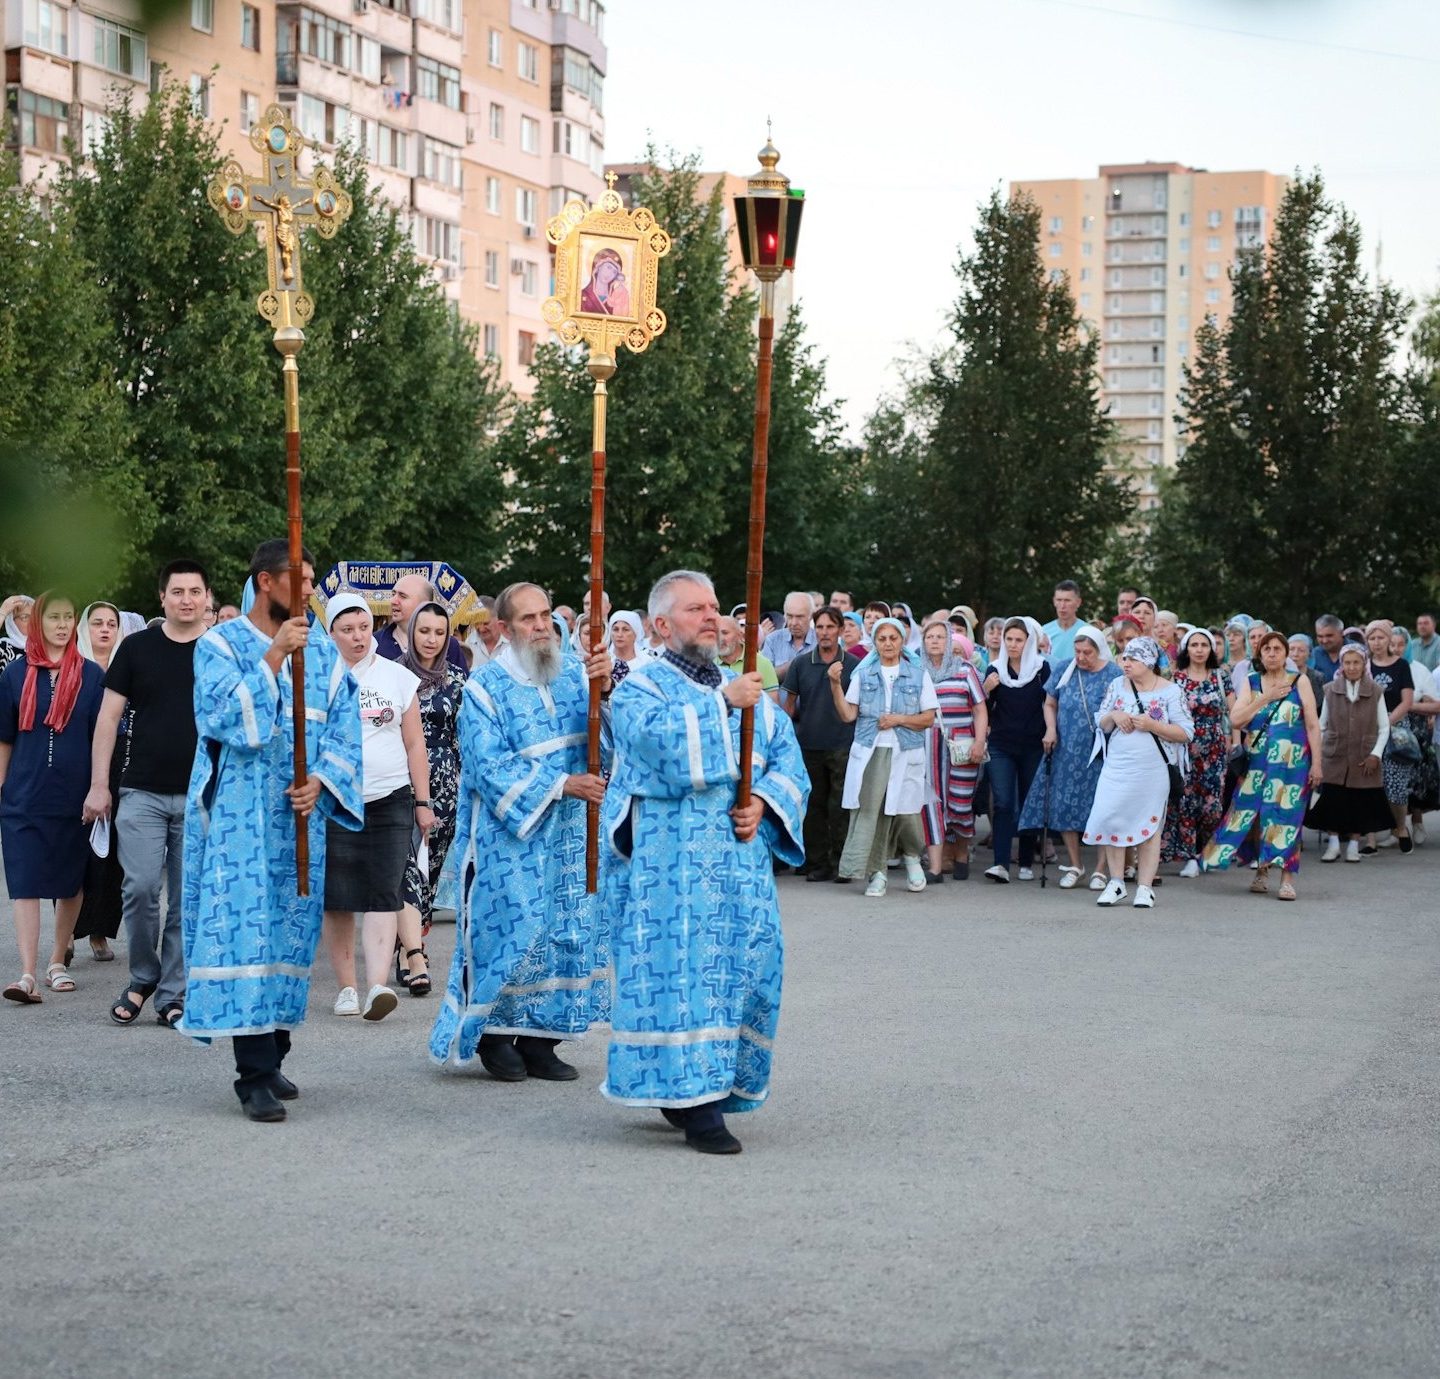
(283, 1088)
(539, 1059)
(716, 1140)
(676, 1118)
(260, 1103)
(499, 1058)
(819, 874)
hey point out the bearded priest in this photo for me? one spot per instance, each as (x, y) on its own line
(531, 964)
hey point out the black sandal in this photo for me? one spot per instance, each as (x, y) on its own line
(402, 974)
(132, 1011)
(417, 986)
(170, 1014)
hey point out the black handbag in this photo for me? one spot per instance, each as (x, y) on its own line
(1177, 781)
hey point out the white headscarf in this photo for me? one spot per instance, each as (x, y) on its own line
(632, 621)
(1030, 658)
(82, 631)
(13, 634)
(1096, 639)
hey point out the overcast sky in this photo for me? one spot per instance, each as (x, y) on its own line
(898, 118)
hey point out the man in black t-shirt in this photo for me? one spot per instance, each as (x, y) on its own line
(153, 673)
(825, 740)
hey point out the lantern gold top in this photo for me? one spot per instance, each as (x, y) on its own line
(768, 181)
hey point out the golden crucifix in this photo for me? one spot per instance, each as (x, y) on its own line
(280, 202)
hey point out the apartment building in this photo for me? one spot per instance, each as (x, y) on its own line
(478, 118)
(1147, 249)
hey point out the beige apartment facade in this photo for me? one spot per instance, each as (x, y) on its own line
(478, 118)
(1147, 250)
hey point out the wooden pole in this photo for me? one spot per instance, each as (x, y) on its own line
(602, 369)
(288, 340)
(755, 561)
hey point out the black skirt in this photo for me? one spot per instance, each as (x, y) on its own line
(366, 870)
(1349, 809)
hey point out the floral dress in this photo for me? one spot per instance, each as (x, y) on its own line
(439, 717)
(1073, 769)
(1192, 823)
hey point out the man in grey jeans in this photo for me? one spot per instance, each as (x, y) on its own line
(152, 674)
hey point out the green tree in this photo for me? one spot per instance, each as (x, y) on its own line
(986, 479)
(1292, 497)
(70, 484)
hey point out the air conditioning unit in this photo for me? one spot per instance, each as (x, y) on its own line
(362, 6)
(528, 231)
(517, 267)
(469, 134)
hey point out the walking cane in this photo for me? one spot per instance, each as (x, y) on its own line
(1045, 825)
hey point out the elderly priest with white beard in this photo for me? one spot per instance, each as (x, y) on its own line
(531, 964)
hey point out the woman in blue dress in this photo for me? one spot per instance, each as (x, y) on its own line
(49, 702)
(1073, 695)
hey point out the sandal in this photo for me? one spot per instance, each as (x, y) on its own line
(1261, 884)
(1287, 889)
(23, 992)
(170, 1014)
(58, 978)
(418, 985)
(125, 1011)
(1070, 877)
(402, 974)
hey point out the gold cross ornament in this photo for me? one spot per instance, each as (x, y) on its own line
(281, 201)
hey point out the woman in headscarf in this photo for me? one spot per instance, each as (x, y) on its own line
(852, 636)
(1425, 783)
(892, 703)
(949, 815)
(97, 635)
(1015, 693)
(627, 642)
(442, 688)
(48, 706)
(1190, 824)
(1299, 646)
(1237, 645)
(1277, 710)
(1354, 728)
(1392, 673)
(15, 612)
(1146, 612)
(1073, 696)
(1129, 808)
(994, 639)
(902, 614)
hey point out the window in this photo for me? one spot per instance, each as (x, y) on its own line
(526, 352)
(316, 35)
(1055, 251)
(1212, 244)
(1157, 276)
(445, 13)
(494, 49)
(497, 121)
(1212, 271)
(1085, 299)
(1184, 270)
(1249, 215)
(572, 68)
(394, 148)
(118, 49)
(1213, 220)
(1212, 295)
(1115, 303)
(42, 123)
(1184, 244)
(1116, 277)
(530, 278)
(200, 95)
(250, 28)
(202, 15)
(1183, 322)
(1152, 431)
(1085, 274)
(47, 26)
(435, 81)
(492, 195)
(529, 134)
(367, 58)
(249, 111)
(1182, 348)
(1057, 275)
(310, 117)
(492, 268)
(492, 342)
(440, 162)
(1086, 249)
(525, 205)
(1056, 224)
(529, 62)
(1184, 220)
(437, 239)
(1157, 327)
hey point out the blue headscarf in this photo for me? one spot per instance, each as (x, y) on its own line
(1409, 652)
(873, 657)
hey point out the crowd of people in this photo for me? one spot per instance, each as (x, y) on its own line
(145, 778)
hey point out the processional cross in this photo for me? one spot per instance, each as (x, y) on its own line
(281, 202)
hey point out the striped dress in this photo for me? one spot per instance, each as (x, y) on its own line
(950, 812)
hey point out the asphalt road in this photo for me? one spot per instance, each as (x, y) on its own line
(1011, 1134)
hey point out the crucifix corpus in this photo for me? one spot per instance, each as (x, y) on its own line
(280, 201)
(607, 268)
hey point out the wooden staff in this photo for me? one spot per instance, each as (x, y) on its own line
(602, 369)
(755, 561)
(289, 340)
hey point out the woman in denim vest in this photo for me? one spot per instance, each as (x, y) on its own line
(892, 703)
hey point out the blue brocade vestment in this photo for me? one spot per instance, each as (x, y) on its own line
(249, 939)
(695, 927)
(531, 950)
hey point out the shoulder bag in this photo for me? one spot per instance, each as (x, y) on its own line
(1177, 781)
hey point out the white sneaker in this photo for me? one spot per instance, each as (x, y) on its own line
(1026, 873)
(999, 873)
(1114, 893)
(1417, 832)
(1332, 850)
(877, 884)
(347, 1002)
(1388, 841)
(1144, 898)
(379, 1003)
(914, 874)
(1352, 850)
(1097, 881)
(1191, 869)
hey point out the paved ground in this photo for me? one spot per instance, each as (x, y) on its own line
(1011, 1134)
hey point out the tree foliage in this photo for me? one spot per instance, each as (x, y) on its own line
(987, 478)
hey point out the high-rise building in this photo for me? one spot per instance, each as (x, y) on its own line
(478, 118)
(1147, 249)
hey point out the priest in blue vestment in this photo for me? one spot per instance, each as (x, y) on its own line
(695, 926)
(249, 939)
(531, 964)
